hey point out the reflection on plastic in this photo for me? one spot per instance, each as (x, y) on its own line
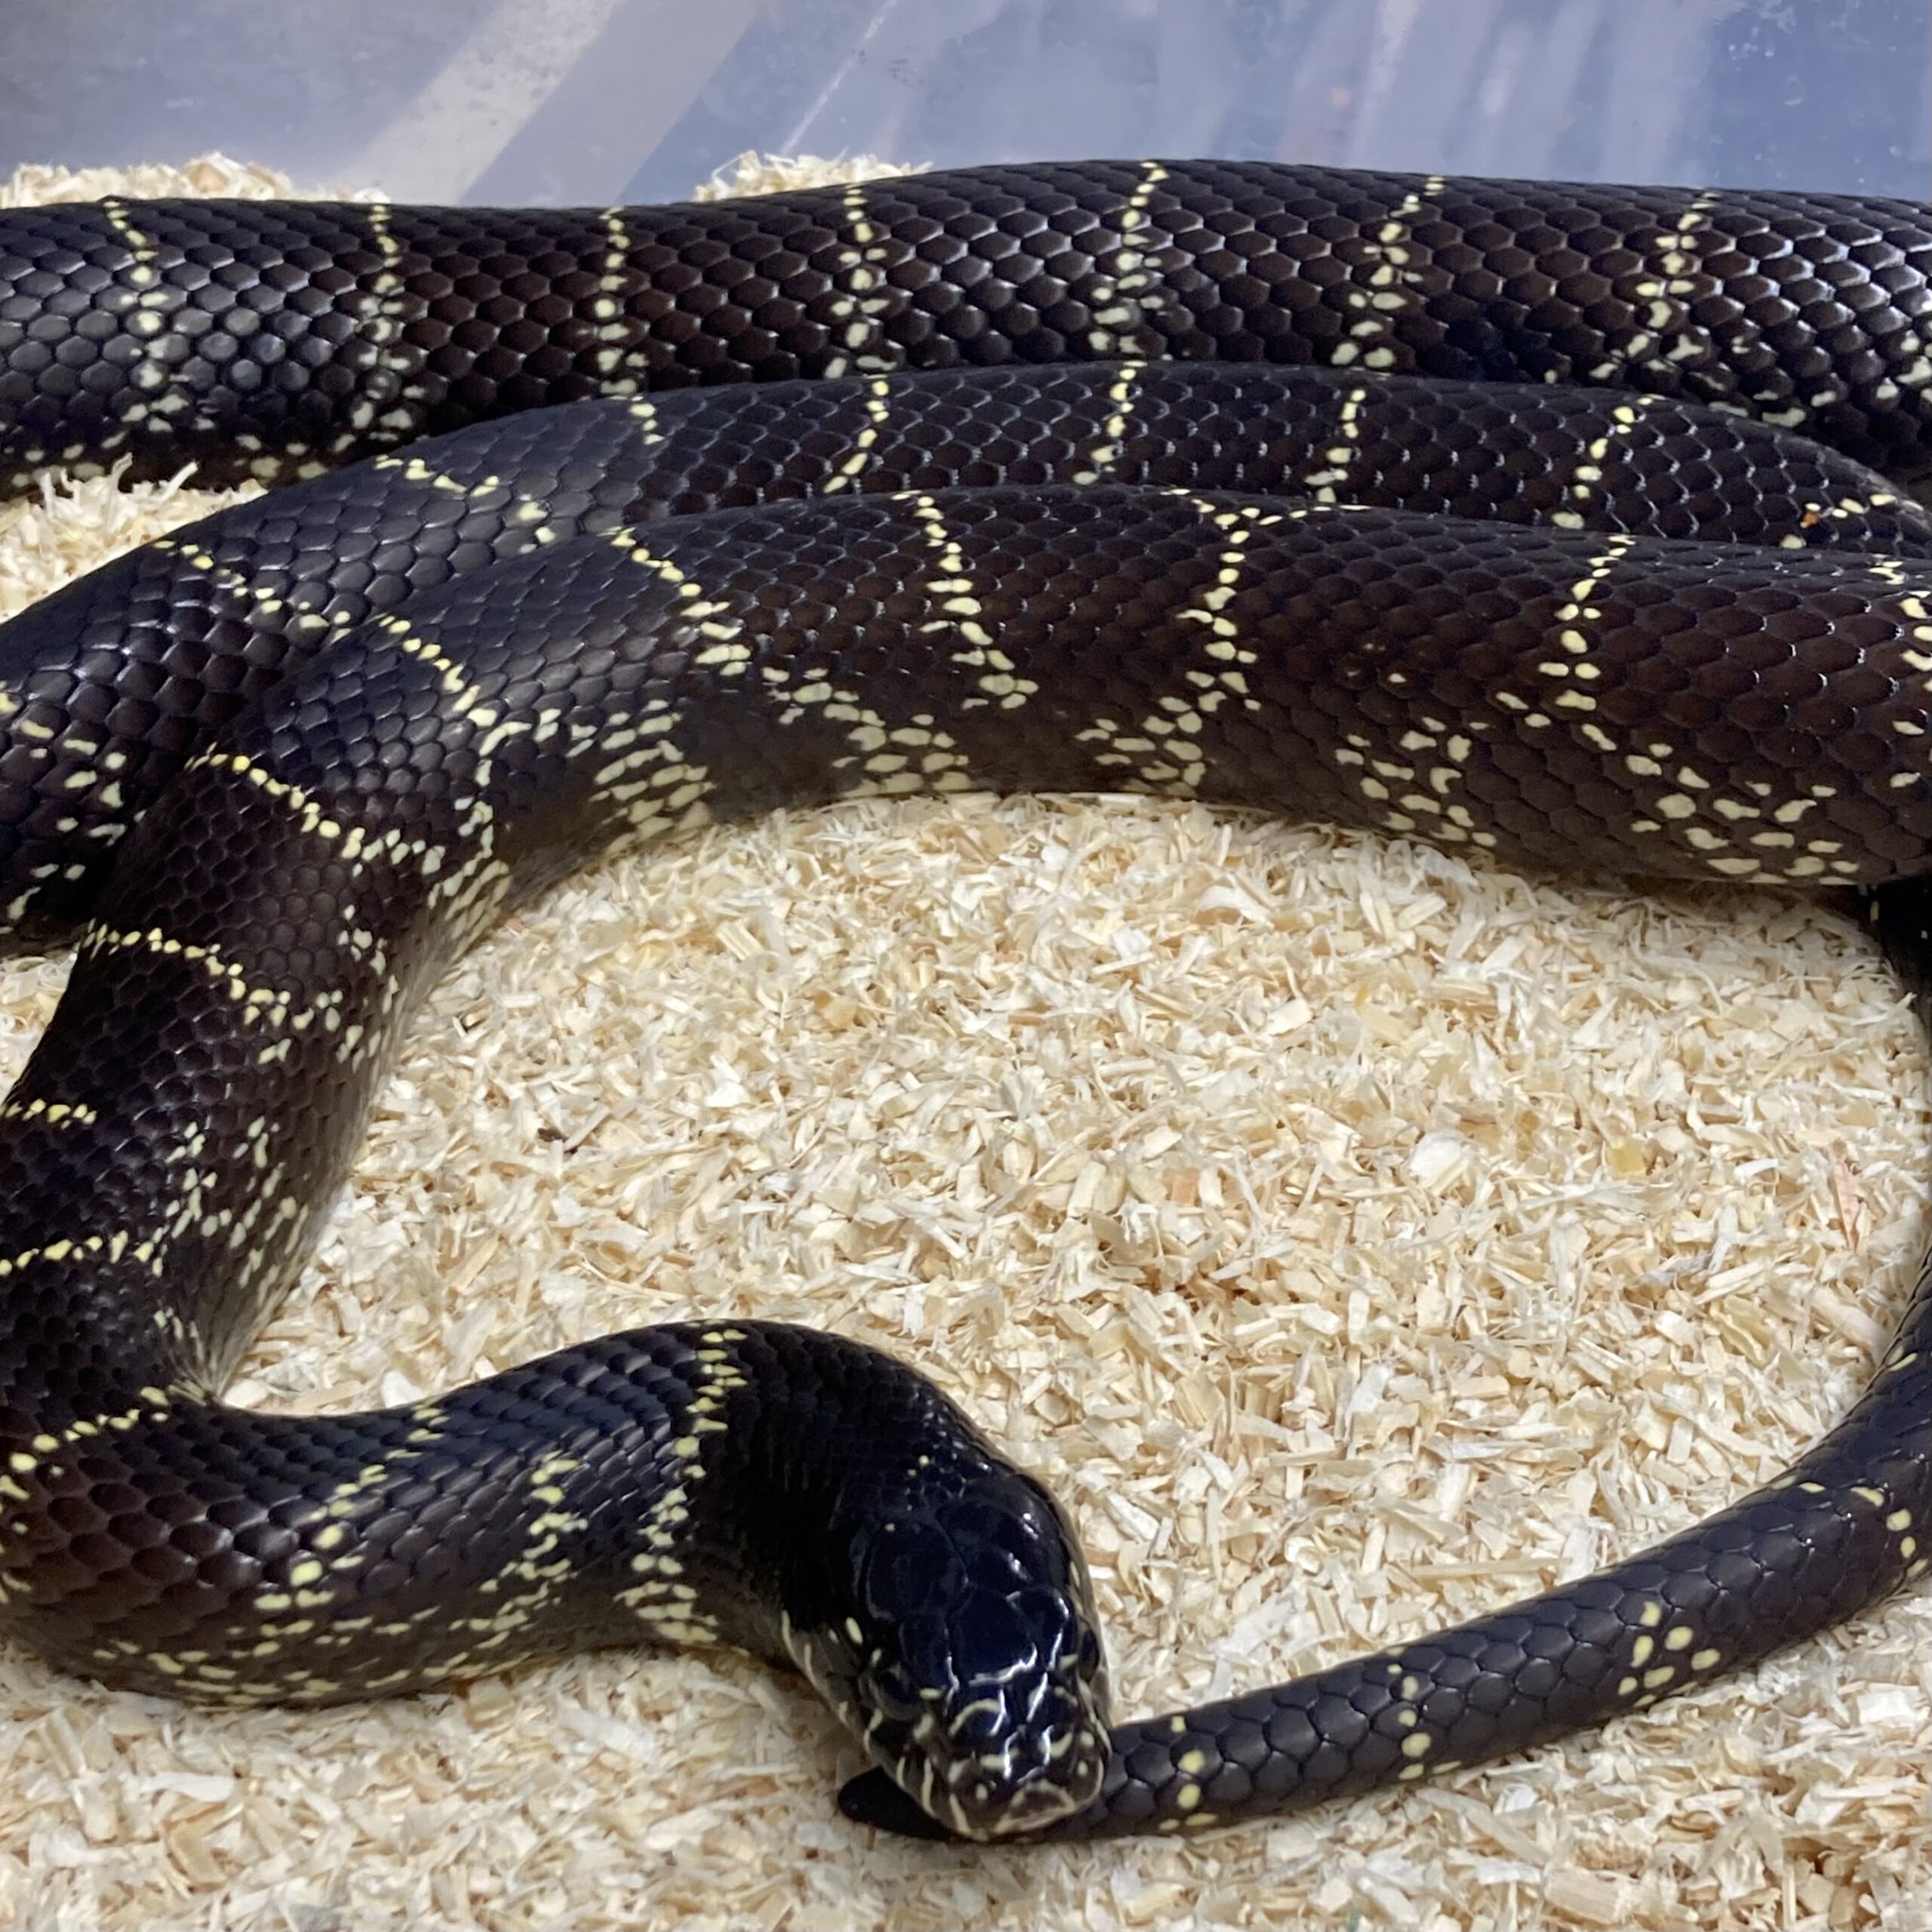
(597, 100)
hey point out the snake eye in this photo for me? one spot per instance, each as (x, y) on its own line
(908, 1566)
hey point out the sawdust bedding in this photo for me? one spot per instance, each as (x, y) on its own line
(1356, 1238)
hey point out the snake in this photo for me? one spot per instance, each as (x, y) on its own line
(1567, 525)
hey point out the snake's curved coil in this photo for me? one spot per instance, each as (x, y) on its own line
(376, 710)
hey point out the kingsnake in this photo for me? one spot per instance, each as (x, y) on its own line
(280, 767)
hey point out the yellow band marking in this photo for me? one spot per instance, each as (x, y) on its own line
(470, 700)
(112, 1246)
(617, 366)
(413, 469)
(1665, 298)
(1339, 455)
(271, 1005)
(862, 305)
(727, 654)
(878, 411)
(224, 576)
(1123, 300)
(381, 411)
(1106, 452)
(953, 592)
(1390, 284)
(54, 1112)
(1586, 473)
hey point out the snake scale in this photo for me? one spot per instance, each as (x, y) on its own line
(1107, 476)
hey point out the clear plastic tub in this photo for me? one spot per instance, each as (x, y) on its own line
(601, 101)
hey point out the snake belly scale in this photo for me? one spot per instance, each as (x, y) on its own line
(282, 768)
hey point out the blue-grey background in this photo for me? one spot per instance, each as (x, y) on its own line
(601, 100)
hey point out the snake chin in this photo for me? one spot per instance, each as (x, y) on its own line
(972, 1665)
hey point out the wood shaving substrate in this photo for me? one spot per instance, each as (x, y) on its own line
(1355, 1237)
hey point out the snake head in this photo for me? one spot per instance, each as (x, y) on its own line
(971, 1663)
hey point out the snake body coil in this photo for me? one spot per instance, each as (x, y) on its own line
(375, 709)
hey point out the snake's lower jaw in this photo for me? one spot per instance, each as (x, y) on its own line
(878, 1798)
(1034, 1806)
(1023, 1787)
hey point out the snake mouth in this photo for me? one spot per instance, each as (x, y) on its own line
(982, 1776)
(1009, 1761)
(1012, 1807)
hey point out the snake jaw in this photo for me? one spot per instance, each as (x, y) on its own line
(1018, 1777)
(974, 1772)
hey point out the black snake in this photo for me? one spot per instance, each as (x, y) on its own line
(279, 767)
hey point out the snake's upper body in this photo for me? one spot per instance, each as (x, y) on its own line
(1106, 478)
